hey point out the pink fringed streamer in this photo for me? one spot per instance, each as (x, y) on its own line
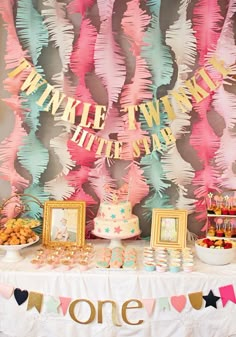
(134, 23)
(79, 6)
(207, 21)
(127, 137)
(225, 104)
(137, 186)
(82, 55)
(10, 146)
(101, 180)
(139, 88)
(14, 50)
(82, 63)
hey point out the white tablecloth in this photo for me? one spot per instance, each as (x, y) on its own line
(118, 286)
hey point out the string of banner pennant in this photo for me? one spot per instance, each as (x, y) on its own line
(199, 86)
(67, 304)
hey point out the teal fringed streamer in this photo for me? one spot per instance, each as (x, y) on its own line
(31, 31)
(154, 174)
(35, 211)
(160, 63)
(154, 201)
(157, 55)
(154, 6)
(31, 109)
(33, 156)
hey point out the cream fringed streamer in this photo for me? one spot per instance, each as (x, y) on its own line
(61, 32)
(180, 37)
(61, 35)
(112, 72)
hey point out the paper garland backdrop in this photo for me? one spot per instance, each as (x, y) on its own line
(138, 96)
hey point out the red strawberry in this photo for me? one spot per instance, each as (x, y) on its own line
(228, 245)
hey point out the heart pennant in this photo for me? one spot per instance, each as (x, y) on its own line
(178, 302)
(20, 295)
(6, 290)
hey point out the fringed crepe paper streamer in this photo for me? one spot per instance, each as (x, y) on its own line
(59, 188)
(10, 145)
(80, 6)
(137, 186)
(109, 61)
(156, 52)
(224, 103)
(81, 62)
(61, 35)
(111, 70)
(101, 180)
(8, 149)
(180, 36)
(32, 155)
(14, 51)
(30, 29)
(158, 57)
(207, 22)
(60, 29)
(134, 24)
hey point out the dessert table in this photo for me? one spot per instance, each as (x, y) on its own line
(118, 286)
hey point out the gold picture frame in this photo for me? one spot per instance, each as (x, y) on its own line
(64, 223)
(169, 228)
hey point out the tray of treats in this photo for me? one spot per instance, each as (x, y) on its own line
(221, 204)
(116, 258)
(13, 239)
(221, 215)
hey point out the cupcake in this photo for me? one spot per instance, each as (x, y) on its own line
(211, 231)
(219, 232)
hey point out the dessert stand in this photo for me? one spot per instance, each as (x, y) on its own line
(13, 253)
(115, 241)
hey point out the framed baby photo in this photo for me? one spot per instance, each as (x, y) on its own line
(169, 228)
(64, 223)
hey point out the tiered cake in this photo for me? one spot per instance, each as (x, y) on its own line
(115, 220)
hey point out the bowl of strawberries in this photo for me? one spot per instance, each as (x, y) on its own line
(215, 252)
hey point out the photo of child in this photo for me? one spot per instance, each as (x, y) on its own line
(64, 224)
(62, 233)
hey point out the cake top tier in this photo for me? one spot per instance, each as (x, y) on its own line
(115, 211)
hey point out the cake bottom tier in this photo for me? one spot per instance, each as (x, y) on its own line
(116, 228)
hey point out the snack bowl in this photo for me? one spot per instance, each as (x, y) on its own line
(13, 252)
(215, 255)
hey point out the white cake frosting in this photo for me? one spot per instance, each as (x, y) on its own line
(116, 220)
